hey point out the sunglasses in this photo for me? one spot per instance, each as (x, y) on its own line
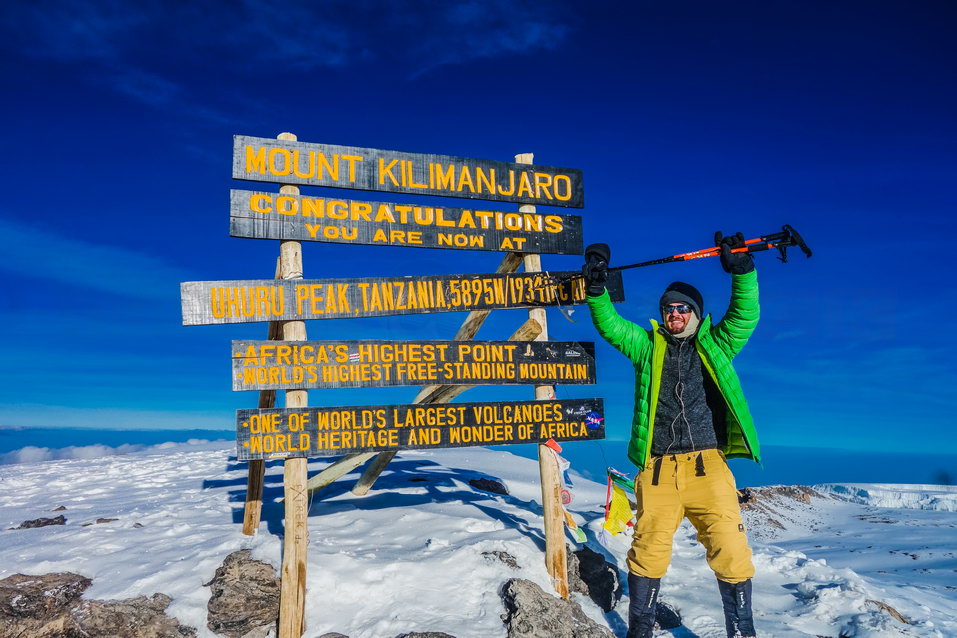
(681, 308)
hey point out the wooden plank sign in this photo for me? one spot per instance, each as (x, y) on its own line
(221, 302)
(280, 365)
(289, 162)
(331, 431)
(261, 215)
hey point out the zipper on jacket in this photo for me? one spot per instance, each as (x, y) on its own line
(714, 378)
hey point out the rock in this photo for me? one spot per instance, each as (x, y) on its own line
(100, 520)
(667, 616)
(333, 634)
(489, 485)
(61, 508)
(896, 615)
(49, 606)
(140, 617)
(245, 597)
(42, 522)
(504, 557)
(531, 613)
(590, 574)
(752, 497)
(426, 634)
(774, 507)
(40, 597)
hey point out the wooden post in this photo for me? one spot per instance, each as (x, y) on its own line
(257, 468)
(292, 592)
(555, 552)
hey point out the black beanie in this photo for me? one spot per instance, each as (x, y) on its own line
(680, 292)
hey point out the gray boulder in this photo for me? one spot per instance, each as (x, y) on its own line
(489, 485)
(531, 613)
(49, 606)
(42, 522)
(140, 617)
(245, 597)
(590, 574)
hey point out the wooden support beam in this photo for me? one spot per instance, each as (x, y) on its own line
(292, 592)
(431, 393)
(555, 552)
(442, 394)
(337, 470)
(474, 320)
(372, 472)
(257, 468)
(445, 393)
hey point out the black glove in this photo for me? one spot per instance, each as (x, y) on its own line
(595, 270)
(734, 263)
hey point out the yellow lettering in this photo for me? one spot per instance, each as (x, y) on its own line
(386, 171)
(258, 203)
(256, 160)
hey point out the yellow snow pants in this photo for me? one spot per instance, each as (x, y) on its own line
(704, 491)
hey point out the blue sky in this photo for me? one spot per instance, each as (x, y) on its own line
(686, 118)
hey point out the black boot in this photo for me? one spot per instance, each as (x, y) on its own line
(736, 599)
(643, 598)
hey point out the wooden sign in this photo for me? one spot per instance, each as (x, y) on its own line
(282, 365)
(221, 302)
(260, 215)
(332, 431)
(287, 162)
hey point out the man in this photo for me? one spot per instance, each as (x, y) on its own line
(690, 414)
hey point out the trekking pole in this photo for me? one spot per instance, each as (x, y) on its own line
(782, 241)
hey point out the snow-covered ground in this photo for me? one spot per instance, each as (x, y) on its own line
(410, 555)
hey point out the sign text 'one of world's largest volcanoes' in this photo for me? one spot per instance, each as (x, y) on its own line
(222, 302)
(288, 162)
(269, 433)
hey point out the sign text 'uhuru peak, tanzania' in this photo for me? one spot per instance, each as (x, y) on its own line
(260, 215)
(220, 302)
(288, 162)
(283, 365)
(330, 431)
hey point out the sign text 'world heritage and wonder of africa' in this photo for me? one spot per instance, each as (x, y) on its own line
(222, 302)
(284, 365)
(332, 431)
(288, 162)
(260, 215)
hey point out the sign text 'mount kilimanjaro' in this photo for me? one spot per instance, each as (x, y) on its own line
(289, 432)
(220, 302)
(283, 365)
(260, 215)
(287, 162)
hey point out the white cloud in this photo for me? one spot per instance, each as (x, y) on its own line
(33, 454)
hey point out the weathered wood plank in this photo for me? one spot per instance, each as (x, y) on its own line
(222, 302)
(289, 162)
(276, 365)
(331, 431)
(261, 215)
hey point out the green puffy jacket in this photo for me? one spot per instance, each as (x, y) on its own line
(716, 344)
